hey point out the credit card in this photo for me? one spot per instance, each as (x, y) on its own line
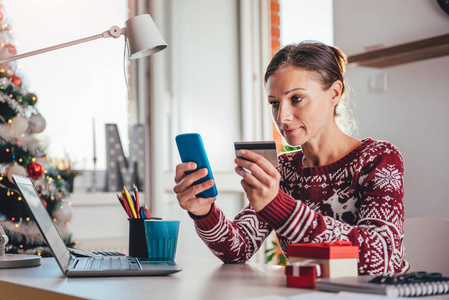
(266, 149)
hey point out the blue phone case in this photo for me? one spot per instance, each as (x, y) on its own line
(191, 149)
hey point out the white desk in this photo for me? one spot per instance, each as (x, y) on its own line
(199, 279)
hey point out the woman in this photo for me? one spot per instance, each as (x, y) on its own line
(335, 188)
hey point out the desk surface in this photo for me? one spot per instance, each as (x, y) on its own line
(200, 279)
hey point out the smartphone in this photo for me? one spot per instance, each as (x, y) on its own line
(191, 149)
(266, 149)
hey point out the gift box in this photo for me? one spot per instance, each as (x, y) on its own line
(302, 274)
(337, 259)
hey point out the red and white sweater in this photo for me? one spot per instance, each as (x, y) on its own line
(358, 199)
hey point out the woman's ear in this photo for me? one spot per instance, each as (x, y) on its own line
(335, 91)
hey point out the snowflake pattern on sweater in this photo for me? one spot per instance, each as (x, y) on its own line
(358, 198)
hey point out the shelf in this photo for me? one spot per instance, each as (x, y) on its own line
(415, 51)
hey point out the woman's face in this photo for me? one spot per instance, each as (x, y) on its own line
(301, 109)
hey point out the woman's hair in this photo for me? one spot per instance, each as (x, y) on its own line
(327, 61)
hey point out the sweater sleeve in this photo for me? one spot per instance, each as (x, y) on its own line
(379, 229)
(380, 223)
(232, 241)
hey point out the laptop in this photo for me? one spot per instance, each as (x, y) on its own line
(72, 266)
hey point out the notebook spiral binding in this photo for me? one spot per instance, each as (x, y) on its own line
(415, 284)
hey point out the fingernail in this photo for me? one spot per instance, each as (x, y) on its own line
(242, 151)
(193, 165)
(241, 172)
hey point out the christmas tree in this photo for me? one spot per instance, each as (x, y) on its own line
(22, 153)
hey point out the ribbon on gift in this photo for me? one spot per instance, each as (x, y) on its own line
(305, 263)
(336, 243)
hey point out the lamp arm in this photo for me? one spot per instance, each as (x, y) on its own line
(114, 32)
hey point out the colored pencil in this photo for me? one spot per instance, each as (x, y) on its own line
(133, 199)
(147, 211)
(121, 202)
(143, 214)
(125, 203)
(131, 205)
(136, 194)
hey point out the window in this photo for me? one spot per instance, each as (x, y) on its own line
(78, 85)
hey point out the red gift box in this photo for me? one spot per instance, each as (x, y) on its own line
(302, 274)
(338, 259)
(338, 249)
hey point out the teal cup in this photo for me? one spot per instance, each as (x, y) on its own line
(162, 239)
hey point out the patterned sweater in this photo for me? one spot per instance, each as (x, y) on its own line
(358, 199)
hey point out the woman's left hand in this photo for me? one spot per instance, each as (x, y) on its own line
(261, 184)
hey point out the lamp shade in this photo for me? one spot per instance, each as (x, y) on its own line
(143, 37)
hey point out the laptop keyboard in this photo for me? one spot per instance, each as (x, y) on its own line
(107, 263)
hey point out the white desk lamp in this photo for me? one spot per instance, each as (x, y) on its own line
(141, 33)
(143, 39)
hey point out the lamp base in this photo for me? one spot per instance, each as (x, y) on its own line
(19, 261)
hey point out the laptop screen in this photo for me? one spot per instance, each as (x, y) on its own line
(43, 220)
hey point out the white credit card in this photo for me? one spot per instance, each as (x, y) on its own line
(266, 149)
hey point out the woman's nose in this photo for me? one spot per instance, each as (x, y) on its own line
(284, 113)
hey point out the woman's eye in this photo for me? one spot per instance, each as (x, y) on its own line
(274, 104)
(296, 98)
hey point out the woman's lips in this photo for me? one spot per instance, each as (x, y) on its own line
(289, 131)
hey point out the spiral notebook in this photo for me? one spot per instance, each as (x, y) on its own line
(405, 285)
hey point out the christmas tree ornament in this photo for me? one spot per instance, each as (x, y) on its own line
(63, 213)
(16, 80)
(16, 169)
(33, 98)
(35, 170)
(37, 123)
(44, 203)
(11, 49)
(19, 125)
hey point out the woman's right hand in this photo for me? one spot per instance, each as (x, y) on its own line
(185, 191)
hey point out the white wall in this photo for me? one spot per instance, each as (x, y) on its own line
(205, 76)
(364, 23)
(412, 113)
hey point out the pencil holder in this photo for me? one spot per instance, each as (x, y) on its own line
(137, 240)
